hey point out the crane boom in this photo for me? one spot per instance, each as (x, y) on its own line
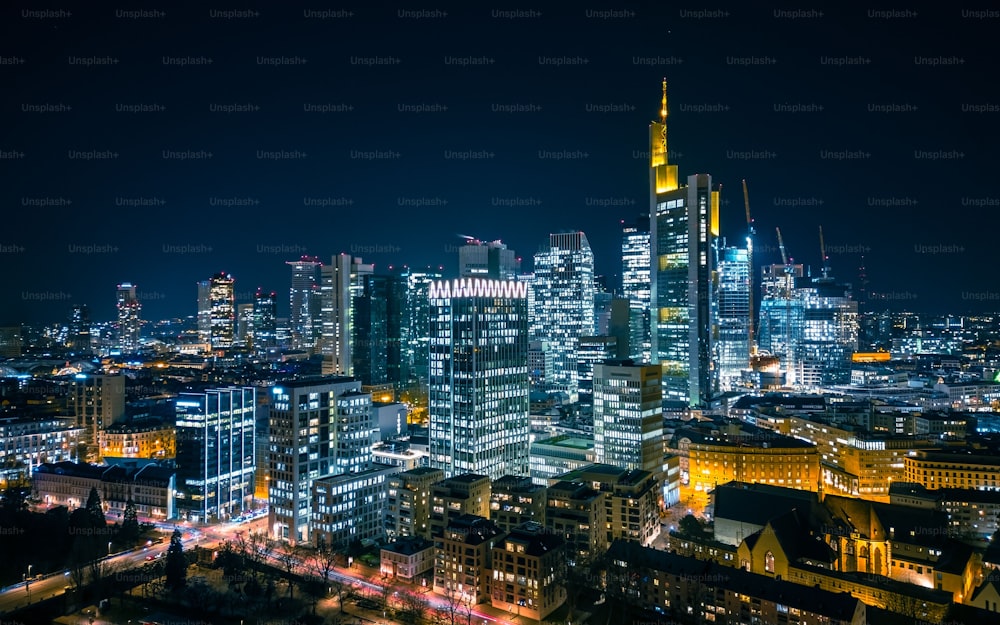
(822, 253)
(781, 246)
(750, 233)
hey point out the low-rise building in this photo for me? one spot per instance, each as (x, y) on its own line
(576, 513)
(631, 500)
(551, 457)
(464, 554)
(146, 438)
(528, 567)
(151, 488)
(26, 443)
(516, 500)
(408, 504)
(408, 559)
(952, 468)
(468, 493)
(350, 506)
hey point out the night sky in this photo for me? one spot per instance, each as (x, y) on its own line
(162, 146)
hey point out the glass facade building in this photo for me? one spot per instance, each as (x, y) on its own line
(564, 303)
(222, 303)
(628, 416)
(216, 453)
(303, 299)
(478, 382)
(636, 285)
(129, 322)
(733, 346)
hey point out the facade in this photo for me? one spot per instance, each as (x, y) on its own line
(377, 313)
(956, 469)
(528, 567)
(306, 418)
(478, 380)
(151, 488)
(78, 335)
(733, 346)
(350, 506)
(592, 351)
(464, 555)
(26, 443)
(973, 514)
(408, 559)
(204, 318)
(631, 500)
(408, 502)
(563, 289)
(96, 402)
(552, 457)
(216, 453)
(139, 439)
(129, 320)
(340, 284)
(516, 500)
(244, 325)
(628, 415)
(222, 307)
(415, 324)
(454, 496)
(636, 285)
(487, 259)
(303, 302)
(577, 513)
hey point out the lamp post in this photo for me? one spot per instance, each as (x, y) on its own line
(109, 547)
(27, 584)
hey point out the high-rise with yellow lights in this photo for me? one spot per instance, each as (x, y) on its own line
(684, 228)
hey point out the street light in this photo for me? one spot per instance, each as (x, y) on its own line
(27, 584)
(109, 547)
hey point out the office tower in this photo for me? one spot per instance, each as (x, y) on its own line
(222, 304)
(414, 324)
(370, 330)
(487, 259)
(341, 282)
(351, 506)
(564, 302)
(307, 443)
(96, 402)
(303, 301)
(636, 284)
(265, 331)
(205, 311)
(592, 351)
(810, 324)
(602, 310)
(478, 385)
(684, 226)
(78, 336)
(10, 341)
(539, 365)
(216, 453)
(129, 323)
(244, 325)
(733, 345)
(628, 416)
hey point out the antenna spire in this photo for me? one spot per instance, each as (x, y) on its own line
(663, 103)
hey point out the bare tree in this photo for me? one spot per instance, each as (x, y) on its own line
(413, 608)
(288, 558)
(457, 608)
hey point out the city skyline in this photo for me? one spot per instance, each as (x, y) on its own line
(411, 145)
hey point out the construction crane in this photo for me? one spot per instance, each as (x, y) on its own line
(781, 246)
(750, 234)
(822, 253)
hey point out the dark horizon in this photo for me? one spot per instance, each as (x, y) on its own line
(160, 146)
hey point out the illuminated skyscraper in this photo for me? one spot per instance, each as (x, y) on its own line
(733, 346)
(415, 323)
(205, 311)
(684, 226)
(478, 387)
(303, 301)
(487, 259)
(369, 357)
(636, 285)
(129, 322)
(341, 282)
(265, 319)
(96, 402)
(564, 302)
(222, 303)
(78, 335)
(216, 453)
(244, 325)
(628, 416)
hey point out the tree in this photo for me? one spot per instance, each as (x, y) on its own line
(691, 527)
(130, 523)
(322, 563)
(176, 563)
(413, 607)
(288, 558)
(95, 509)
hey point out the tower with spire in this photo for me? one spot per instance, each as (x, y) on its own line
(684, 230)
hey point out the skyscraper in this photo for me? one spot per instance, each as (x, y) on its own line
(628, 416)
(205, 311)
(222, 304)
(303, 301)
(636, 284)
(487, 259)
(564, 302)
(369, 358)
(216, 453)
(684, 226)
(265, 319)
(733, 345)
(244, 325)
(340, 284)
(318, 428)
(478, 386)
(415, 324)
(129, 322)
(78, 335)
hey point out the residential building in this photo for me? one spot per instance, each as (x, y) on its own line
(468, 493)
(528, 572)
(464, 554)
(408, 559)
(631, 500)
(577, 513)
(96, 401)
(26, 443)
(516, 500)
(139, 438)
(408, 502)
